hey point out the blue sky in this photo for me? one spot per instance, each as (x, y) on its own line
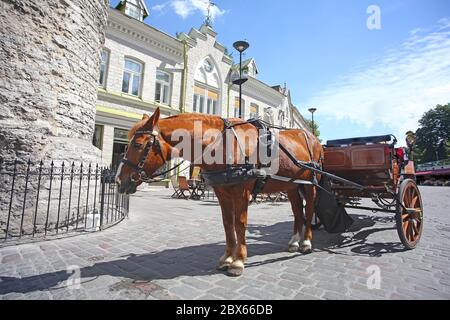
(363, 82)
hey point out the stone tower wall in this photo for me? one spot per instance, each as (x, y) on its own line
(49, 53)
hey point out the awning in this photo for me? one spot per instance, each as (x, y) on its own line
(437, 172)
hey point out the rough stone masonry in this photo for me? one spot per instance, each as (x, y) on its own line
(50, 54)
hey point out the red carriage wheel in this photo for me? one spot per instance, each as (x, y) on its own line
(409, 216)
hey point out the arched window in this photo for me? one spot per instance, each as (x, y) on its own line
(206, 88)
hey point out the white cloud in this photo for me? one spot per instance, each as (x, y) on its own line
(398, 88)
(159, 7)
(185, 8)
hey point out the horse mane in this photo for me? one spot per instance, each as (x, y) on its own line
(181, 117)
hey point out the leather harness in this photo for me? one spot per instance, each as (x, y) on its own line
(236, 174)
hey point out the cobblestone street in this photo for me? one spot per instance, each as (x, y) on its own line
(168, 249)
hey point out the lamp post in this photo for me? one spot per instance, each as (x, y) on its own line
(312, 110)
(240, 46)
(317, 223)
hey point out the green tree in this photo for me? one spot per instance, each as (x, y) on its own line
(228, 53)
(316, 127)
(433, 135)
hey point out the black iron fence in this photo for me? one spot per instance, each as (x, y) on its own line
(42, 200)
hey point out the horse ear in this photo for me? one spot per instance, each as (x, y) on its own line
(155, 116)
(153, 120)
(145, 117)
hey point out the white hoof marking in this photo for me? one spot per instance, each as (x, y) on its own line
(307, 243)
(237, 264)
(306, 247)
(294, 239)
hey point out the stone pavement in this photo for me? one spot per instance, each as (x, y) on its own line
(168, 249)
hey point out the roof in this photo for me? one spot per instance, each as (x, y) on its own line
(245, 64)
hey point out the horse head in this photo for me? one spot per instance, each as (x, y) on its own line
(146, 152)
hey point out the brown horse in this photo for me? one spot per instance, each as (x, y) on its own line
(151, 146)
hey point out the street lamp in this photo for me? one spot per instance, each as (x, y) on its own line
(316, 220)
(240, 46)
(312, 110)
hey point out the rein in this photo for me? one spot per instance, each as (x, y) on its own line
(253, 172)
(139, 168)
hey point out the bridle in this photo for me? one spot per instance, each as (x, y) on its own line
(139, 167)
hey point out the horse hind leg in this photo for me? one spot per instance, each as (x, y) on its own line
(297, 208)
(310, 195)
(240, 222)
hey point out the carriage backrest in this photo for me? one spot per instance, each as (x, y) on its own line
(362, 141)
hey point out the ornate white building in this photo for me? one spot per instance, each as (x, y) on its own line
(144, 68)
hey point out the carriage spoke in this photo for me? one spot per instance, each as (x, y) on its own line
(410, 230)
(411, 194)
(415, 228)
(407, 199)
(405, 226)
(414, 201)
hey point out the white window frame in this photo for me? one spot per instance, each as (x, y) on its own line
(201, 103)
(163, 84)
(128, 11)
(132, 76)
(100, 132)
(236, 107)
(253, 115)
(102, 81)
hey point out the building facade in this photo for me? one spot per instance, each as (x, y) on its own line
(144, 68)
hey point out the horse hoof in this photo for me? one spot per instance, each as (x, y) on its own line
(224, 263)
(235, 272)
(306, 247)
(293, 248)
(223, 266)
(236, 269)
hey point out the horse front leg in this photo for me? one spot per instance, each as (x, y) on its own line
(297, 209)
(228, 223)
(310, 195)
(240, 224)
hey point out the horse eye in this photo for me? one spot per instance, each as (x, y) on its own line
(138, 145)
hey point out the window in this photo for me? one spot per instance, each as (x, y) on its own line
(254, 110)
(236, 107)
(121, 135)
(132, 74)
(103, 68)
(162, 90)
(119, 146)
(134, 11)
(97, 139)
(205, 100)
